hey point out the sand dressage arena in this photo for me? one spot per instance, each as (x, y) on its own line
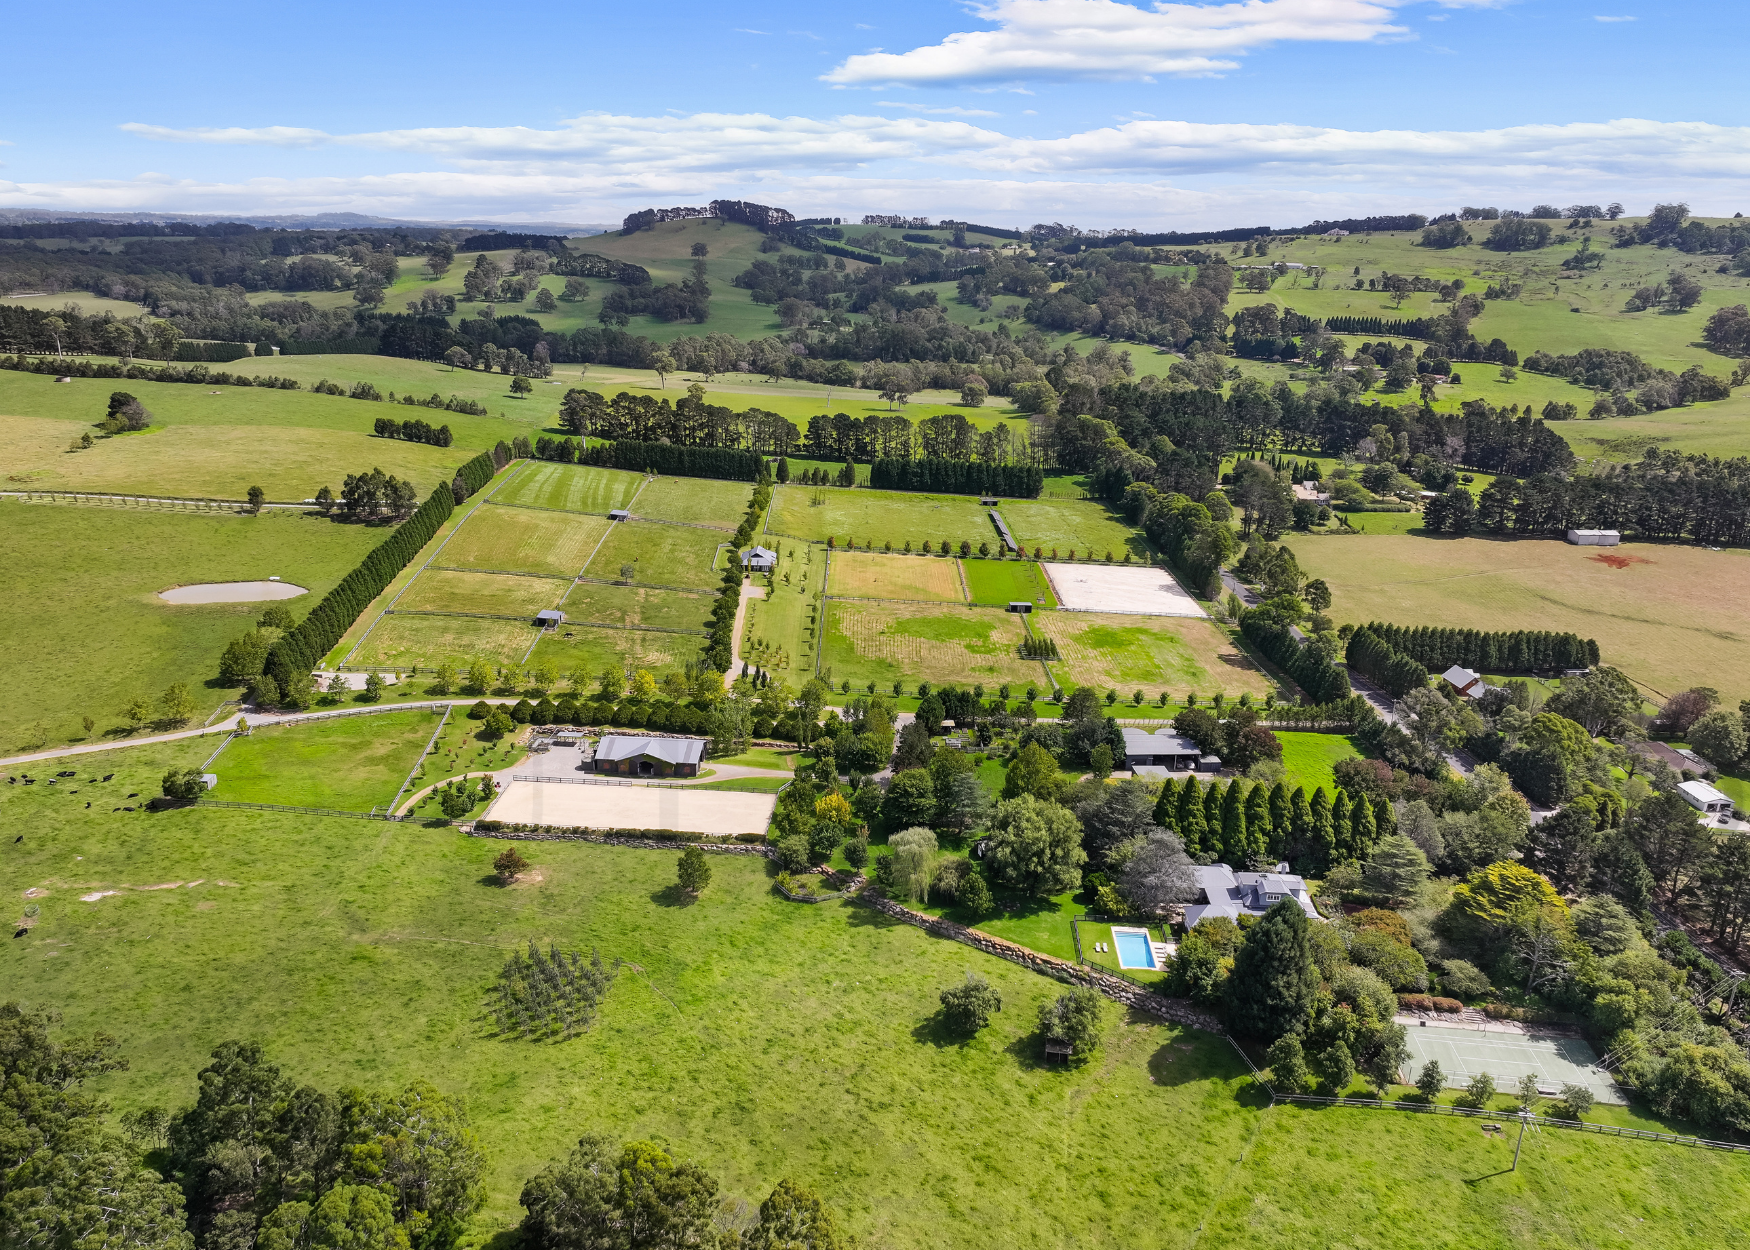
(633, 807)
(231, 592)
(1117, 588)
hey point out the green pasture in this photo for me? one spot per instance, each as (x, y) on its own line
(84, 626)
(1071, 525)
(699, 501)
(863, 516)
(1309, 759)
(586, 651)
(405, 640)
(349, 763)
(571, 488)
(632, 607)
(1670, 618)
(297, 931)
(661, 555)
(888, 642)
(524, 540)
(501, 594)
(1123, 653)
(1002, 582)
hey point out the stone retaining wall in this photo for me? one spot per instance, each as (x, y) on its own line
(1176, 1010)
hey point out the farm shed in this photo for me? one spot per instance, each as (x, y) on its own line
(1704, 798)
(1595, 538)
(549, 618)
(627, 756)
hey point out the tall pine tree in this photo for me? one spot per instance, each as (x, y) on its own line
(1342, 835)
(1272, 988)
(1259, 830)
(1324, 838)
(1192, 829)
(1235, 847)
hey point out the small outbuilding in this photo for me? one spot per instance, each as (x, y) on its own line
(1595, 538)
(1162, 749)
(625, 756)
(1021, 605)
(759, 560)
(620, 514)
(549, 618)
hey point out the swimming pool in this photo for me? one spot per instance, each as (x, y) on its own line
(1135, 949)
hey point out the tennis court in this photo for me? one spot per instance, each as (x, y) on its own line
(1554, 1061)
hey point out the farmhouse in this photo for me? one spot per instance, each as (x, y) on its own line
(759, 560)
(1234, 894)
(1594, 538)
(1704, 798)
(1467, 683)
(1165, 750)
(622, 755)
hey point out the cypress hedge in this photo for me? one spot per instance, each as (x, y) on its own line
(1511, 651)
(300, 650)
(1374, 658)
(720, 462)
(1306, 665)
(957, 477)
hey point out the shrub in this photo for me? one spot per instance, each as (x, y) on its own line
(792, 853)
(1074, 1018)
(1575, 1102)
(974, 895)
(509, 865)
(1428, 1002)
(1464, 979)
(1479, 1091)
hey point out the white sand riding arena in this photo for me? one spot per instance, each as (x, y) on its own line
(633, 807)
(1120, 588)
(231, 592)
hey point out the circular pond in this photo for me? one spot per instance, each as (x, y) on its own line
(231, 592)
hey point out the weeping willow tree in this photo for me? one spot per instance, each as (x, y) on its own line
(549, 995)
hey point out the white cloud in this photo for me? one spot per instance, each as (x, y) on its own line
(946, 111)
(1106, 40)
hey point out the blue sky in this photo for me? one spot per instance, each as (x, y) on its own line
(1006, 112)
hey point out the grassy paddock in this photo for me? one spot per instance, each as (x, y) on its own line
(572, 488)
(589, 650)
(1072, 524)
(634, 606)
(351, 763)
(665, 555)
(445, 590)
(1002, 582)
(520, 540)
(924, 579)
(702, 501)
(1124, 652)
(86, 630)
(781, 631)
(865, 516)
(1309, 758)
(427, 641)
(1670, 620)
(916, 642)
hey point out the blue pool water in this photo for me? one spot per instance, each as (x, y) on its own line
(1134, 950)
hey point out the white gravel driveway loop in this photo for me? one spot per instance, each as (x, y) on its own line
(633, 807)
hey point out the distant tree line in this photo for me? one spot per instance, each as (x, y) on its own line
(958, 477)
(1665, 494)
(687, 422)
(414, 431)
(730, 463)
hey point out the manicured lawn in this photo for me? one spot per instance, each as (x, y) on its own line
(867, 575)
(572, 488)
(701, 501)
(1671, 619)
(634, 606)
(351, 763)
(1001, 582)
(522, 540)
(1154, 653)
(760, 757)
(359, 954)
(447, 590)
(1308, 758)
(86, 632)
(1376, 523)
(754, 785)
(402, 641)
(885, 642)
(1081, 525)
(662, 555)
(863, 516)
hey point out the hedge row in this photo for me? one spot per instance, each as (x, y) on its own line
(720, 649)
(957, 477)
(1374, 658)
(1512, 651)
(197, 375)
(475, 474)
(211, 353)
(1307, 666)
(720, 462)
(298, 652)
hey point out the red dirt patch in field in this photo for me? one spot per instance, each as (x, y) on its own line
(1620, 562)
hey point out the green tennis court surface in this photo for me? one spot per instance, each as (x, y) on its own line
(1554, 1061)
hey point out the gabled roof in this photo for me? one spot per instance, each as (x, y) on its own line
(1701, 792)
(1160, 742)
(669, 750)
(1234, 894)
(1460, 677)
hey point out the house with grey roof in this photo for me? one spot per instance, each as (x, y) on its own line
(623, 755)
(1165, 751)
(1224, 892)
(759, 560)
